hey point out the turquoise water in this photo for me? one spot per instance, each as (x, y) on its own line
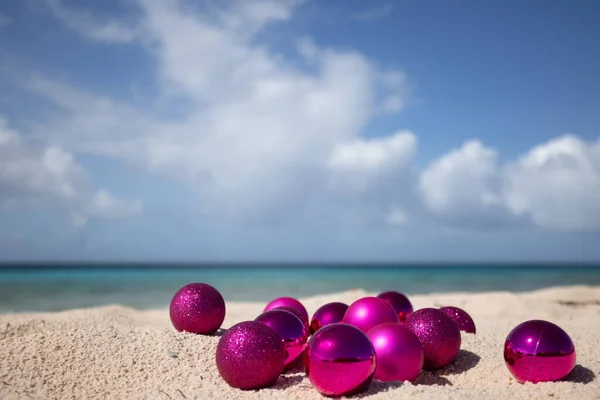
(60, 288)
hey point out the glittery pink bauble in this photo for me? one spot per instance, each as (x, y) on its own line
(400, 303)
(297, 313)
(197, 308)
(539, 351)
(368, 312)
(340, 360)
(399, 353)
(250, 355)
(287, 302)
(439, 335)
(460, 316)
(327, 314)
(292, 331)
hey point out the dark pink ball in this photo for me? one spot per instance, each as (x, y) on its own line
(297, 313)
(250, 355)
(539, 351)
(439, 335)
(368, 312)
(400, 303)
(327, 314)
(340, 360)
(460, 316)
(399, 353)
(287, 302)
(197, 308)
(292, 331)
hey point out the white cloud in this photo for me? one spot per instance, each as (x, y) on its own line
(375, 13)
(88, 25)
(557, 184)
(50, 177)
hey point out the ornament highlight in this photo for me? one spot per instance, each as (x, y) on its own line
(290, 329)
(340, 360)
(287, 302)
(439, 335)
(400, 355)
(460, 316)
(400, 303)
(327, 314)
(368, 312)
(197, 308)
(539, 351)
(250, 355)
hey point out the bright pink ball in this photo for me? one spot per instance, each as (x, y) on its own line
(327, 314)
(197, 308)
(292, 331)
(340, 360)
(400, 303)
(460, 316)
(368, 312)
(250, 355)
(439, 335)
(287, 302)
(297, 313)
(399, 353)
(539, 351)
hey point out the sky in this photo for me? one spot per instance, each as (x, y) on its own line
(299, 130)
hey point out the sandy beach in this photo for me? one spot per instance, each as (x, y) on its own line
(116, 352)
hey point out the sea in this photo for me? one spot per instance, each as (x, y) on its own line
(37, 288)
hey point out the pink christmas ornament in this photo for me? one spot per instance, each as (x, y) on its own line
(439, 335)
(368, 312)
(539, 351)
(399, 353)
(400, 303)
(327, 314)
(340, 360)
(197, 308)
(287, 302)
(298, 314)
(250, 355)
(460, 316)
(292, 331)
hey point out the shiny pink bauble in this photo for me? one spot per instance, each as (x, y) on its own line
(197, 308)
(327, 314)
(340, 360)
(368, 312)
(292, 331)
(298, 314)
(250, 355)
(539, 351)
(400, 303)
(439, 335)
(399, 353)
(287, 302)
(460, 316)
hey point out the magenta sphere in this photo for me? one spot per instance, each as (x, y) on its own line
(439, 335)
(539, 351)
(368, 312)
(197, 308)
(250, 355)
(340, 360)
(327, 314)
(400, 303)
(287, 302)
(399, 353)
(292, 331)
(460, 316)
(297, 313)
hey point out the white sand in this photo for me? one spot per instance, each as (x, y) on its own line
(120, 353)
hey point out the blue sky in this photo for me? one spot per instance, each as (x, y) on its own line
(299, 130)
